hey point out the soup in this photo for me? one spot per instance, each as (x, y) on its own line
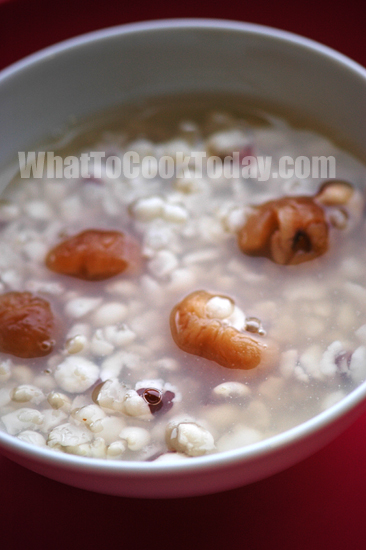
(155, 307)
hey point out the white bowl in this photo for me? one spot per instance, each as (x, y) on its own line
(100, 70)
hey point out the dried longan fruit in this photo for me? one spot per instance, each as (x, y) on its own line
(27, 325)
(195, 331)
(288, 231)
(94, 255)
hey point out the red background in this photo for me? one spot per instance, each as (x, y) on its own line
(317, 504)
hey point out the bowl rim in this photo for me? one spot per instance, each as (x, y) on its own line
(222, 459)
(180, 23)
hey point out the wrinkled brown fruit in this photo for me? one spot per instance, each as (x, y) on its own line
(289, 231)
(27, 325)
(196, 333)
(94, 255)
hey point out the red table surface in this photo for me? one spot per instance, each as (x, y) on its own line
(317, 504)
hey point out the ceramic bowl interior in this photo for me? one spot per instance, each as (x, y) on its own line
(42, 94)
